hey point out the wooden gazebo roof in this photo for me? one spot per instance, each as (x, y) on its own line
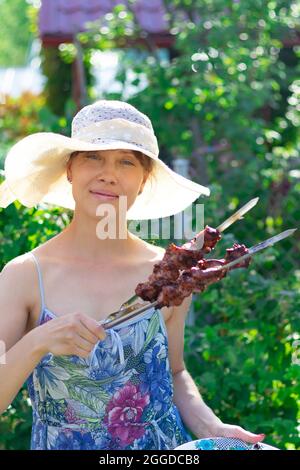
(61, 20)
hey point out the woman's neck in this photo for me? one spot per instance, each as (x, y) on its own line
(82, 241)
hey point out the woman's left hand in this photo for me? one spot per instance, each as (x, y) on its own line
(232, 430)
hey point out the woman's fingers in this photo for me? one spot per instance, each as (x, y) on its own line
(93, 327)
(83, 343)
(75, 333)
(78, 351)
(85, 333)
(238, 432)
(250, 437)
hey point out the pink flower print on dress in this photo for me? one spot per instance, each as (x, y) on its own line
(123, 414)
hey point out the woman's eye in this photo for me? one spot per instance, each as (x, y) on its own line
(96, 157)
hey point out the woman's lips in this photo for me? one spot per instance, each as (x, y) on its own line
(104, 196)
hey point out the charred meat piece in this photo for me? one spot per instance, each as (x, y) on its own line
(177, 259)
(169, 292)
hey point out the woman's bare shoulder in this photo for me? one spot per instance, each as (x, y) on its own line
(17, 274)
(151, 251)
(22, 269)
(158, 251)
(18, 264)
(23, 263)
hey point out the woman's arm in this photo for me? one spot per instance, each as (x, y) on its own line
(20, 360)
(75, 333)
(196, 415)
(19, 353)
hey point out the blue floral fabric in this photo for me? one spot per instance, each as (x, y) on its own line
(120, 397)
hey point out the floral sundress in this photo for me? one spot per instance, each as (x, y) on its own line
(119, 398)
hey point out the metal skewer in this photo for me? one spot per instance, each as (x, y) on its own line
(224, 225)
(238, 214)
(108, 323)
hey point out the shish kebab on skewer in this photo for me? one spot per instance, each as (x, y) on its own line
(196, 279)
(176, 259)
(172, 292)
(209, 271)
(186, 256)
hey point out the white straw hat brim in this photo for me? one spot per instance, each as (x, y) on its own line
(40, 177)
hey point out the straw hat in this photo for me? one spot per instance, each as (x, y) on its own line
(35, 167)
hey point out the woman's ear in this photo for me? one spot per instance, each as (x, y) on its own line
(143, 183)
(68, 171)
(69, 164)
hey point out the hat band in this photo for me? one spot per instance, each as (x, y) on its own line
(120, 129)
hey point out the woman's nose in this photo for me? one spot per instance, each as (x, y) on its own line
(108, 171)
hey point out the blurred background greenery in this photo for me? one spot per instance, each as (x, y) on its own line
(225, 96)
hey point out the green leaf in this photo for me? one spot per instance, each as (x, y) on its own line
(152, 330)
(93, 398)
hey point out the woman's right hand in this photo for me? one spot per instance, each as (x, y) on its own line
(72, 334)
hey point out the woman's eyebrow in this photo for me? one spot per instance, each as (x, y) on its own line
(122, 153)
(127, 152)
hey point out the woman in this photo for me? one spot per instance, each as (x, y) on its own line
(91, 388)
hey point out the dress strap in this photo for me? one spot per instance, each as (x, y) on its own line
(40, 281)
(117, 344)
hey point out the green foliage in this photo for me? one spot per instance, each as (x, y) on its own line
(59, 79)
(58, 68)
(226, 68)
(15, 424)
(28, 114)
(15, 32)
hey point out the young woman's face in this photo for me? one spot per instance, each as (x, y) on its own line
(113, 171)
